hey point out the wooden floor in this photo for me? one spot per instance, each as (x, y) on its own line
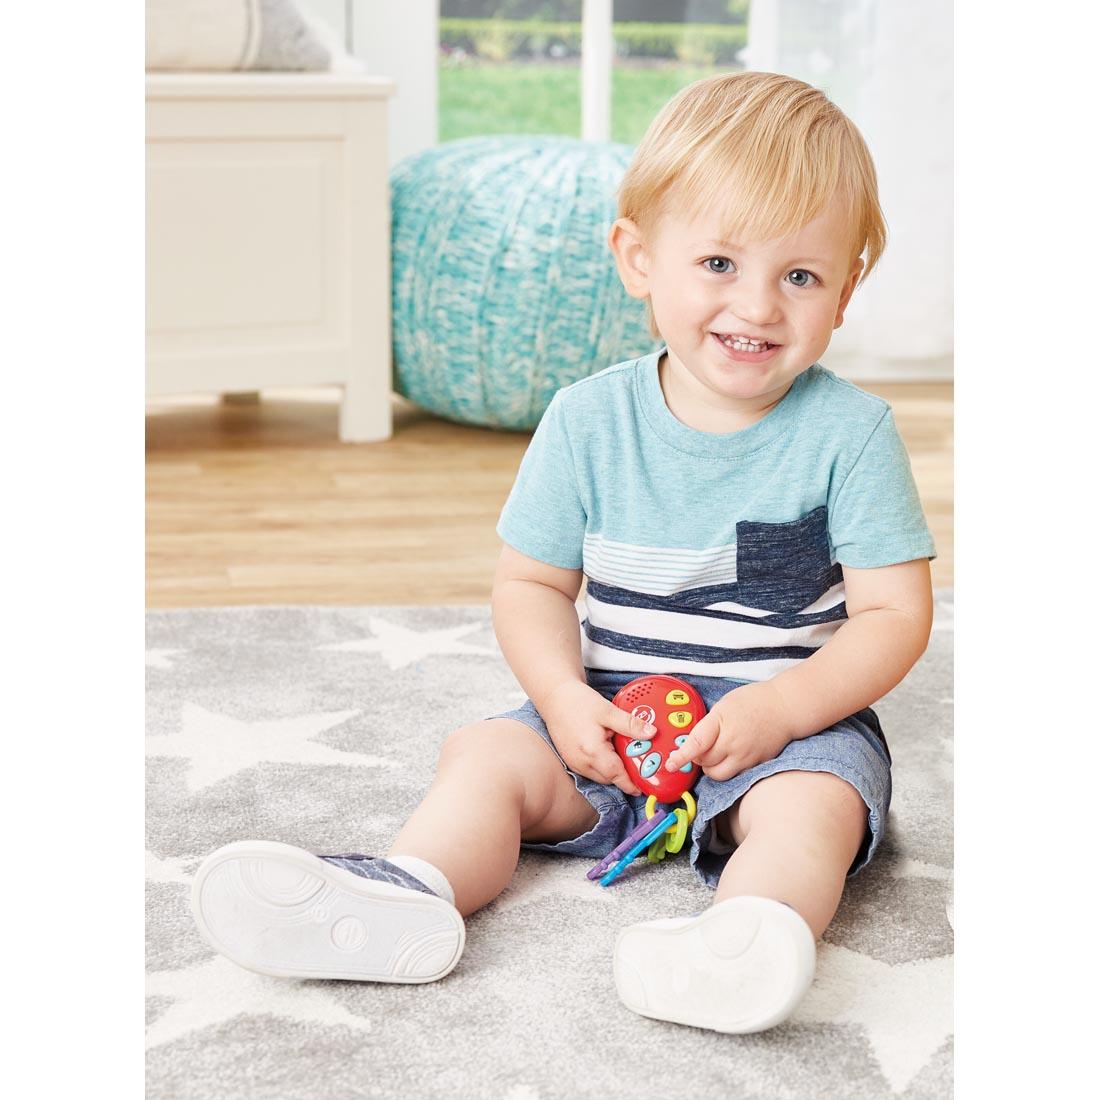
(259, 504)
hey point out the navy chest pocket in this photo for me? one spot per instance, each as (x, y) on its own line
(785, 566)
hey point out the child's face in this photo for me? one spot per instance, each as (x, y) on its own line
(790, 292)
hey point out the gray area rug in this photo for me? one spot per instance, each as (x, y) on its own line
(319, 726)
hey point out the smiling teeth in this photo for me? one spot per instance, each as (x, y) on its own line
(742, 344)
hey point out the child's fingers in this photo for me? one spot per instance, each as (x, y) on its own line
(619, 721)
(699, 742)
(610, 767)
(616, 769)
(724, 769)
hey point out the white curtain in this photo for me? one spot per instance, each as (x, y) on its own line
(888, 65)
(400, 41)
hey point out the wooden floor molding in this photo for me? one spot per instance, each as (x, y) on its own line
(260, 504)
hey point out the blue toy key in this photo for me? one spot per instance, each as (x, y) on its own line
(662, 827)
(639, 831)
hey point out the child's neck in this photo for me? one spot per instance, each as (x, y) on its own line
(693, 410)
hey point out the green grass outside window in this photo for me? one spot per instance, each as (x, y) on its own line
(533, 97)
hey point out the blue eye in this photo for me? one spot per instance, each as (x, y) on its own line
(804, 277)
(718, 260)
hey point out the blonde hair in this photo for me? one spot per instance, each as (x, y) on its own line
(768, 152)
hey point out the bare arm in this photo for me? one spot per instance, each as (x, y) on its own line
(889, 620)
(535, 619)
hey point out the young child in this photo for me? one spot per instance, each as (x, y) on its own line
(746, 521)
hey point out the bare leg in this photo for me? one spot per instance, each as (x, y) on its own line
(497, 783)
(796, 833)
(279, 910)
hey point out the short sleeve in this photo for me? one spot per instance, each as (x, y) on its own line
(544, 516)
(876, 518)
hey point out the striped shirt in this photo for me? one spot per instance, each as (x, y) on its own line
(713, 554)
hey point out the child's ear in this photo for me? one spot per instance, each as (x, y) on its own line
(632, 260)
(846, 293)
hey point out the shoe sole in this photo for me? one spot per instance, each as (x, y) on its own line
(282, 911)
(742, 966)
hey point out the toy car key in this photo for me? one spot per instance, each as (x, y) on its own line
(674, 707)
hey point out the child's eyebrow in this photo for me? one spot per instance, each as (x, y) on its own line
(734, 247)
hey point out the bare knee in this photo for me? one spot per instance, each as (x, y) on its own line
(816, 807)
(510, 760)
(487, 748)
(478, 738)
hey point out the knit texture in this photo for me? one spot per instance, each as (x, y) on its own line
(504, 287)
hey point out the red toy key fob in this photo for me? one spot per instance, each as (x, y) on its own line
(674, 707)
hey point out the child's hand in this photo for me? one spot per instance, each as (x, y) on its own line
(744, 728)
(581, 723)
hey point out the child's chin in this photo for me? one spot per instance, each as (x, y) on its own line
(746, 388)
(753, 382)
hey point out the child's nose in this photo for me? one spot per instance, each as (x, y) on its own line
(756, 306)
(756, 313)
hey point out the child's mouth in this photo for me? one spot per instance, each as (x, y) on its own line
(744, 351)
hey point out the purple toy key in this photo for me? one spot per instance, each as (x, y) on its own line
(667, 822)
(636, 834)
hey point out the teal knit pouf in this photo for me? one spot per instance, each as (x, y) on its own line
(504, 288)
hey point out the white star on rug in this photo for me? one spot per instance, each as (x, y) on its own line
(165, 870)
(217, 990)
(943, 616)
(219, 746)
(916, 868)
(558, 879)
(159, 658)
(946, 762)
(522, 1092)
(904, 1008)
(400, 646)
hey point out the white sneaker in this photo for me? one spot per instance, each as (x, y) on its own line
(280, 910)
(740, 966)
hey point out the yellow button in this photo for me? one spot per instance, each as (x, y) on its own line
(681, 719)
(677, 698)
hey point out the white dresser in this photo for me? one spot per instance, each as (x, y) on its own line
(268, 237)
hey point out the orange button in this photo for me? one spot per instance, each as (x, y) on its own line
(677, 698)
(681, 719)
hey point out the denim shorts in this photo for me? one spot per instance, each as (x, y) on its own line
(853, 749)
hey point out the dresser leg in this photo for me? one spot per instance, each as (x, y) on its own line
(243, 397)
(366, 413)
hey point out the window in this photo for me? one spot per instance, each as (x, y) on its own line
(514, 66)
(661, 47)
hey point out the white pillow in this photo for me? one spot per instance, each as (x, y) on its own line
(229, 35)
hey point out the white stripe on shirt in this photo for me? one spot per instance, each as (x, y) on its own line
(595, 655)
(658, 570)
(684, 628)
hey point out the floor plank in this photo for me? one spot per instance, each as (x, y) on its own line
(260, 504)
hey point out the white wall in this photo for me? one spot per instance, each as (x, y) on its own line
(888, 65)
(397, 39)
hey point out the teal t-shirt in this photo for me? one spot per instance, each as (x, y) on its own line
(713, 554)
